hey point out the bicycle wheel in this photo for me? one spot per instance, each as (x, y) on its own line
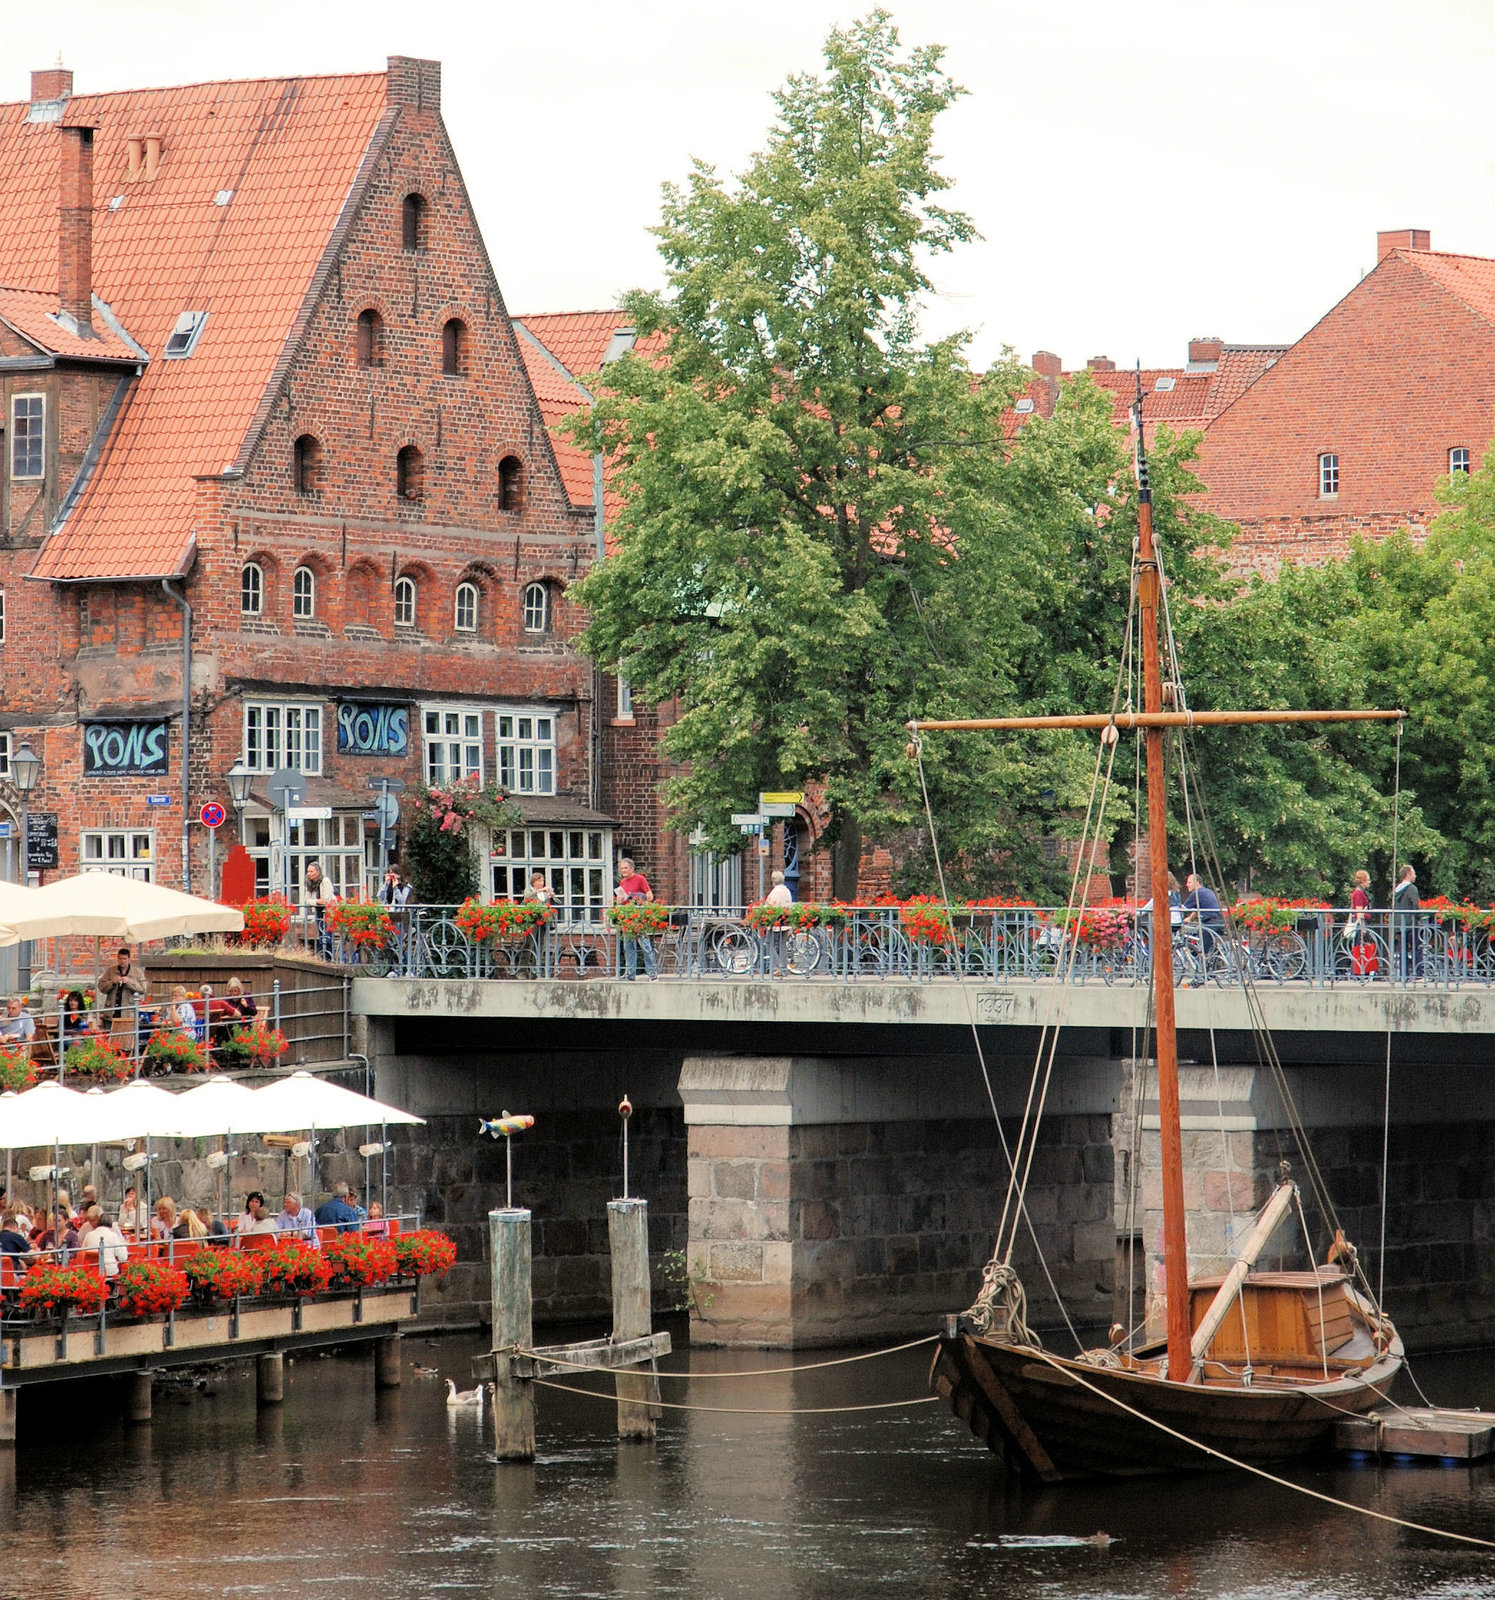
(734, 949)
(802, 952)
(1285, 957)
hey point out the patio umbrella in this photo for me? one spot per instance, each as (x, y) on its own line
(16, 900)
(219, 1106)
(49, 1114)
(109, 906)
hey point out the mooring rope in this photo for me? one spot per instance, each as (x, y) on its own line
(745, 1411)
(1260, 1472)
(755, 1372)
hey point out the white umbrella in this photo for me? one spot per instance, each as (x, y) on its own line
(16, 900)
(305, 1101)
(140, 1110)
(50, 1114)
(109, 906)
(219, 1105)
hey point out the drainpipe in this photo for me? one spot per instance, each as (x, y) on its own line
(594, 744)
(181, 599)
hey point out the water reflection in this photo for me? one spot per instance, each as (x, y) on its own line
(346, 1485)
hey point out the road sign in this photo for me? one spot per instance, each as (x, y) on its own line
(308, 813)
(778, 808)
(782, 797)
(386, 811)
(287, 788)
(394, 785)
(746, 819)
(158, 799)
(212, 815)
(750, 827)
(4, 830)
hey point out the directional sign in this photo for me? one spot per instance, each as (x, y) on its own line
(212, 815)
(782, 797)
(746, 819)
(778, 808)
(308, 813)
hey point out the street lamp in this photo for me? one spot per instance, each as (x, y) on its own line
(240, 779)
(25, 769)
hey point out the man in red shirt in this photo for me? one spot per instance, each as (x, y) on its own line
(634, 886)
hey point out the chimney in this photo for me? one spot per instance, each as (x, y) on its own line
(56, 83)
(152, 155)
(135, 159)
(1205, 350)
(75, 226)
(1402, 239)
(1048, 366)
(1100, 364)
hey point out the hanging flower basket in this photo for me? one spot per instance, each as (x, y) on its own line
(365, 924)
(925, 920)
(17, 1071)
(1101, 927)
(501, 921)
(253, 1045)
(638, 919)
(98, 1059)
(266, 922)
(424, 1253)
(293, 1269)
(52, 1291)
(1271, 915)
(215, 1274)
(765, 917)
(360, 1260)
(150, 1288)
(175, 1050)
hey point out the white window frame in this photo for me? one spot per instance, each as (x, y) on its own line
(279, 849)
(2, 616)
(134, 857)
(525, 750)
(530, 609)
(4, 755)
(283, 733)
(1459, 460)
(625, 697)
(406, 599)
(16, 402)
(470, 592)
(257, 584)
(577, 863)
(308, 600)
(1328, 475)
(453, 738)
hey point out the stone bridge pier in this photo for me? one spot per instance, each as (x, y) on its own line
(840, 1199)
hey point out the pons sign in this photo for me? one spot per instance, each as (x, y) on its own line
(372, 730)
(125, 749)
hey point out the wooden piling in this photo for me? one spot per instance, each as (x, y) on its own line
(8, 1416)
(628, 1237)
(138, 1396)
(513, 1329)
(270, 1379)
(388, 1373)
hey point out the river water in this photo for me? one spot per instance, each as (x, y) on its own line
(346, 1492)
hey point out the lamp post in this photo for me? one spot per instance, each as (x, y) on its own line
(25, 769)
(240, 780)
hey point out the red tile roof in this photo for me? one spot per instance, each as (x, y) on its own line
(1240, 366)
(577, 339)
(559, 395)
(288, 151)
(1470, 278)
(33, 314)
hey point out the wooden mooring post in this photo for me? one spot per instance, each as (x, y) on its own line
(513, 1330)
(628, 1237)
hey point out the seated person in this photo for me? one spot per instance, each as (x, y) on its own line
(14, 1241)
(17, 1026)
(336, 1212)
(241, 1000)
(213, 1228)
(295, 1219)
(254, 1218)
(76, 1022)
(184, 1013)
(164, 1222)
(189, 1225)
(108, 1244)
(131, 1212)
(376, 1223)
(62, 1237)
(363, 1215)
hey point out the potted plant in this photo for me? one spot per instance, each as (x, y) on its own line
(925, 920)
(95, 1057)
(501, 921)
(150, 1288)
(365, 924)
(17, 1071)
(425, 1252)
(222, 1275)
(266, 922)
(294, 1269)
(57, 1291)
(639, 919)
(175, 1050)
(360, 1260)
(253, 1044)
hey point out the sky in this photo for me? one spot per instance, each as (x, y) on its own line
(1142, 173)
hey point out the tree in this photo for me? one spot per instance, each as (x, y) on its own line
(809, 551)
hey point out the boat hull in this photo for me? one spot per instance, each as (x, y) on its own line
(1055, 1419)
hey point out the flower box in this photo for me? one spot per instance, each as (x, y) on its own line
(365, 924)
(150, 1288)
(253, 1044)
(17, 1070)
(293, 1269)
(175, 1050)
(764, 917)
(423, 1253)
(57, 1291)
(501, 921)
(221, 1274)
(97, 1058)
(638, 919)
(266, 922)
(360, 1260)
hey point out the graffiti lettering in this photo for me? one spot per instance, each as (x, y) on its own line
(111, 749)
(373, 730)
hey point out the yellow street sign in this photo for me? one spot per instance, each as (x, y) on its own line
(782, 797)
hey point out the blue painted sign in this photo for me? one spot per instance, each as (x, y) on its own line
(371, 730)
(158, 799)
(124, 749)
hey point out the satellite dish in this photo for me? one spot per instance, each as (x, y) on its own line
(287, 788)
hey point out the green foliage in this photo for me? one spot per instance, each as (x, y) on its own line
(438, 849)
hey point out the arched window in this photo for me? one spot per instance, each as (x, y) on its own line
(466, 611)
(413, 222)
(304, 594)
(306, 466)
(251, 589)
(510, 483)
(454, 348)
(405, 603)
(410, 474)
(370, 338)
(536, 608)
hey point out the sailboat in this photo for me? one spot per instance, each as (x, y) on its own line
(1257, 1366)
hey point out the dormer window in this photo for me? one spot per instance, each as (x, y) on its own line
(413, 222)
(184, 335)
(28, 434)
(1328, 477)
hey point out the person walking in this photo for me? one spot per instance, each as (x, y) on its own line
(633, 888)
(779, 895)
(1406, 903)
(1357, 929)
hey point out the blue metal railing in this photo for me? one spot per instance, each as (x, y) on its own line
(987, 945)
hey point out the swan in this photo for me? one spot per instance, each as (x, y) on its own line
(463, 1397)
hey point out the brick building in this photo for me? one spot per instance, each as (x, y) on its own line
(269, 437)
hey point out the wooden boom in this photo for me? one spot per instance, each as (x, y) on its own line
(1153, 719)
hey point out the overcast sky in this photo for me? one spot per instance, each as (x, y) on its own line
(1142, 172)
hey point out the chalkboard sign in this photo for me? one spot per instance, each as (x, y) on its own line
(41, 840)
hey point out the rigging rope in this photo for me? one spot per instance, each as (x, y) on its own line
(754, 1372)
(744, 1411)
